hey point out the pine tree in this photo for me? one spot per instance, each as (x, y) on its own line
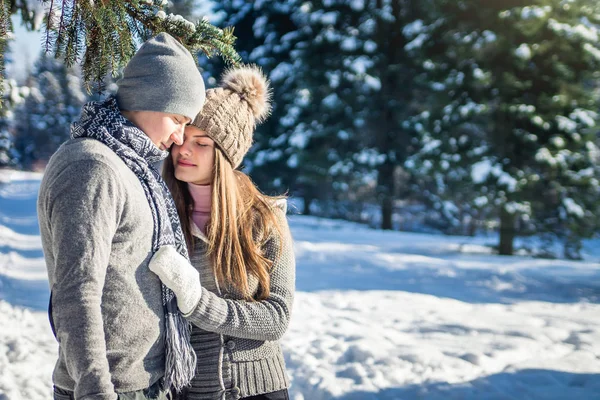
(102, 35)
(43, 120)
(267, 36)
(521, 73)
(323, 120)
(379, 91)
(8, 153)
(11, 98)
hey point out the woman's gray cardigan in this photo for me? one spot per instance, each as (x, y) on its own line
(237, 341)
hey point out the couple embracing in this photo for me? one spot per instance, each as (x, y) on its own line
(175, 284)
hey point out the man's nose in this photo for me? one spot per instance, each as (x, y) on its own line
(177, 137)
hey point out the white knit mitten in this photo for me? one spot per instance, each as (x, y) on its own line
(176, 273)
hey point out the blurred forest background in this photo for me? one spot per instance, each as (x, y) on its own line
(461, 117)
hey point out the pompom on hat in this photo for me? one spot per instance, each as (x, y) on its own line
(232, 110)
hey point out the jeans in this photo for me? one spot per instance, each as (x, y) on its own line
(154, 392)
(278, 395)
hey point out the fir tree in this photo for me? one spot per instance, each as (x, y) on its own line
(267, 36)
(379, 92)
(325, 116)
(43, 120)
(521, 73)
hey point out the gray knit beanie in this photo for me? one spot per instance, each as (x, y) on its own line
(232, 111)
(162, 76)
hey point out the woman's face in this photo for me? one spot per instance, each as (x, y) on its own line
(194, 160)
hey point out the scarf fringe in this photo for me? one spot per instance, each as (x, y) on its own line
(180, 357)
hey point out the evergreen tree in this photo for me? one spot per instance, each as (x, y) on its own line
(8, 155)
(43, 121)
(334, 121)
(267, 36)
(326, 115)
(11, 98)
(521, 73)
(396, 98)
(376, 90)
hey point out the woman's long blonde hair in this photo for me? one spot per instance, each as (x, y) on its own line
(242, 220)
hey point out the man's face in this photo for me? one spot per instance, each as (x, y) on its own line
(162, 128)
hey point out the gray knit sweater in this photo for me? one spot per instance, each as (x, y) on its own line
(96, 229)
(237, 342)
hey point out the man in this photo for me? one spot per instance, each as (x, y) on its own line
(103, 211)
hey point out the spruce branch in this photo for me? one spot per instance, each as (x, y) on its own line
(102, 35)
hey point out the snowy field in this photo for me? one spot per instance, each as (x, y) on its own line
(378, 315)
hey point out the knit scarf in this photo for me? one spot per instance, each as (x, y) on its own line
(104, 122)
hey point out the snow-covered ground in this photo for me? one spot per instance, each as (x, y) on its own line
(378, 315)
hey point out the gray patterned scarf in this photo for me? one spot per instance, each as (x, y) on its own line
(103, 121)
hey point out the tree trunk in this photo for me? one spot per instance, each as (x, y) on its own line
(507, 232)
(472, 228)
(386, 212)
(307, 202)
(385, 183)
(572, 248)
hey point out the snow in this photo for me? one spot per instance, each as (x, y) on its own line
(544, 156)
(594, 51)
(533, 12)
(580, 31)
(428, 65)
(413, 29)
(259, 26)
(292, 162)
(523, 52)
(369, 157)
(370, 46)
(573, 208)
(349, 44)
(478, 74)
(481, 201)
(281, 71)
(586, 117)
(416, 42)
(482, 169)
(357, 5)
(558, 142)
(328, 18)
(489, 36)
(360, 65)
(589, 33)
(178, 19)
(373, 82)
(299, 139)
(566, 124)
(470, 108)
(332, 100)
(514, 207)
(377, 315)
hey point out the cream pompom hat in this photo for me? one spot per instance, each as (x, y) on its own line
(232, 110)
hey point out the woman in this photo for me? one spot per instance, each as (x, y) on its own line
(239, 293)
